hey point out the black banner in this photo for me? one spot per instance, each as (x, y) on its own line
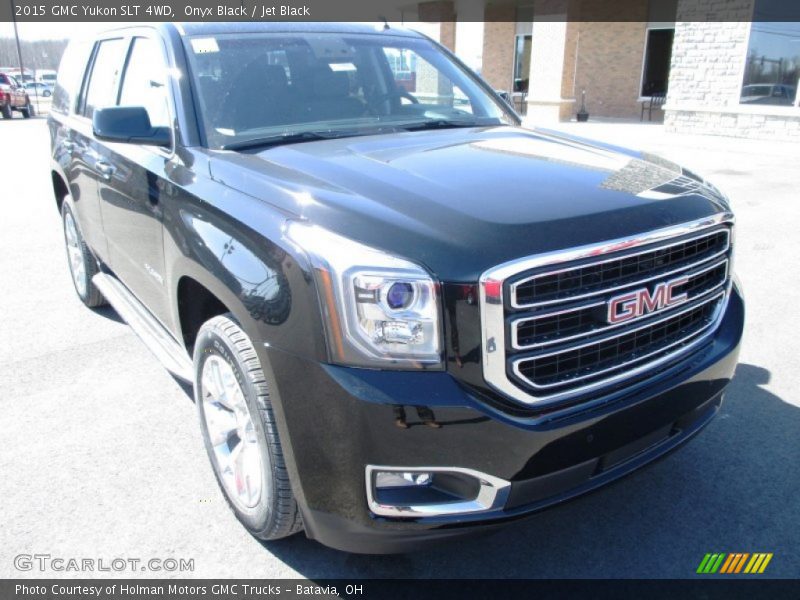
(378, 10)
(368, 589)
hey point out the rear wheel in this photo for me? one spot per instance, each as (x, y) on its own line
(239, 431)
(82, 264)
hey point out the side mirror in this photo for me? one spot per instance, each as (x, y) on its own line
(506, 98)
(128, 125)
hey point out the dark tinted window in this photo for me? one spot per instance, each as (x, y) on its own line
(145, 81)
(658, 54)
(252, 86)
(3, 79)
(70, 76)
(104, 80)
(772, 69)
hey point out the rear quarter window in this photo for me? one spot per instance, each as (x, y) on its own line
(70, 76)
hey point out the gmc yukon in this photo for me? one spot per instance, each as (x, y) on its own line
(405, 317)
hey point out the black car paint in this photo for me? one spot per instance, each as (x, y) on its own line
(456, 201)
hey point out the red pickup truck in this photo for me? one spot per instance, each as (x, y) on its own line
(13, 97)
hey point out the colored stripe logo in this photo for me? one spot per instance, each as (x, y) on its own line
(736, 562)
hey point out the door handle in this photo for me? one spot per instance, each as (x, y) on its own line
(105, 169)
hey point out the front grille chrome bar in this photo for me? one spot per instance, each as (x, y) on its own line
(605, 290)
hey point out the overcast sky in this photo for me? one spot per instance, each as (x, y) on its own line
(50, 31)
(58, 31)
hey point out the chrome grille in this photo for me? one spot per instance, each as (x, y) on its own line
(590, 318)
(618, 351)
(547, 331)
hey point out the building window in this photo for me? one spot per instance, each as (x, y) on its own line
(772, 68)
(657, 57)
(522, 62)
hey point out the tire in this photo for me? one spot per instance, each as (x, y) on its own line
(81, 261)
(46, 94)
(27, 111)
(234, 407)
(6, 112)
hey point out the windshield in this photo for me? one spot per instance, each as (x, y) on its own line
(263, 87)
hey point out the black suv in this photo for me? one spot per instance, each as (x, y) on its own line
(405, 317)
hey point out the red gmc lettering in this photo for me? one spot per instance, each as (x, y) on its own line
(623, 308)
(641, 302)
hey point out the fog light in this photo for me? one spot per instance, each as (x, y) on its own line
(433, 491)
(390, 479)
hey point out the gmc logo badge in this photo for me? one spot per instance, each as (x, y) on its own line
(641, 302)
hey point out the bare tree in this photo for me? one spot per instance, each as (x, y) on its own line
(36, 54)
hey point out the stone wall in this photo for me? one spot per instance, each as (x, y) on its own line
(705, 83)
(783, 127)
(708, 62)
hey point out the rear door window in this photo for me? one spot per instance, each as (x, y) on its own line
(70, 76)
(104, 78)
(145, 81)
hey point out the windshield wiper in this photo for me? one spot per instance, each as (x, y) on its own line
(277, 140)
(439, 124)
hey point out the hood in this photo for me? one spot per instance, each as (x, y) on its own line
(459, 201)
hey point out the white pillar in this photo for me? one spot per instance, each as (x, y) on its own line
(553, 46)
(469, 32)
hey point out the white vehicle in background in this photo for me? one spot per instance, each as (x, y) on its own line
(39, 89)
(21, 76)
(46, 76)
(769, 93)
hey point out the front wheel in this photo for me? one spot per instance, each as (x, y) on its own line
(239, 431)
(82, 264)
(27, 110)
(6, 111)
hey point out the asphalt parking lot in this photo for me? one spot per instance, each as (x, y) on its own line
(102, 456)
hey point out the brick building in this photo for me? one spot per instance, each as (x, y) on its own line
(726, 67)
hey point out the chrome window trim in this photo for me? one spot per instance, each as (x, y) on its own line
(492, 495)
(516, 284)
(720, 298)
(516, 323)
(493, 344)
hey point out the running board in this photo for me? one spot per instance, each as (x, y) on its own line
(169, 352)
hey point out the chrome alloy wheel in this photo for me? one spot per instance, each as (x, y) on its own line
(77, 266)
(231, 433)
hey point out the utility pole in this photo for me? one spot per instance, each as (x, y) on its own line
(16, 37)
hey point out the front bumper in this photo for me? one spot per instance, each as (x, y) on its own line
(336, 421)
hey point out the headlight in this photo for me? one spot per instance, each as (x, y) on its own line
(379, 310)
